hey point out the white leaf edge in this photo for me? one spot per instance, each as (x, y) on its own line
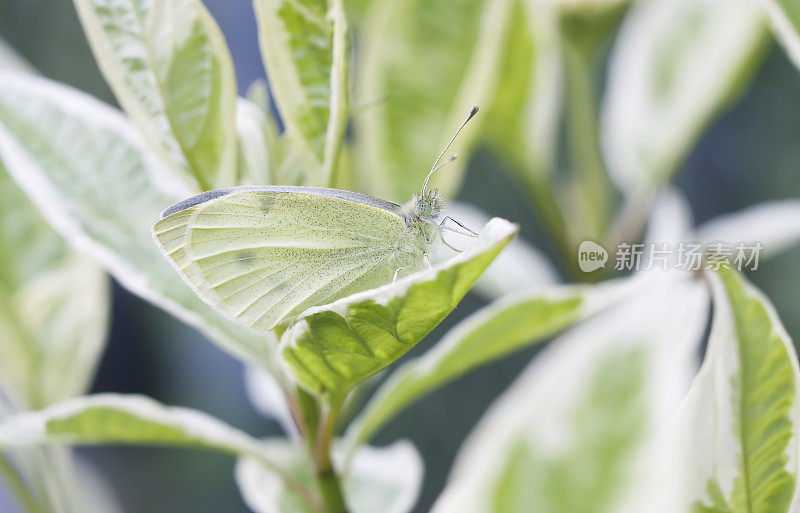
(30, 428)
(48, 199)
(595, 298)
(96, 493)
(266, 395)
(776, 224)
(784, 30)
(109, 63)
(687, 422)
(491, 234)
(629, 65)
(559, 368)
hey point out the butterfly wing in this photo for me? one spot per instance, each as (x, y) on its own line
(262, 255)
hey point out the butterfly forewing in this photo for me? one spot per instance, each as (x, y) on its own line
(265, 256)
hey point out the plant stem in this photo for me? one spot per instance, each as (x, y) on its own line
(540, 194)
(18, 487)
(593, 187)
(328, 481)
(308, 421)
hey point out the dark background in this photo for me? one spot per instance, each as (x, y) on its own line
(749, 155)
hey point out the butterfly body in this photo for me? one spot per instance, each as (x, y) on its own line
(264, 254)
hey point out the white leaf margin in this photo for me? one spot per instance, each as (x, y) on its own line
(43, 194)
(266, 395)
(643, 154)
(784, 30)
(30, 428)
(776, 224)
(676, 308)
(689, 468)
(49, 200)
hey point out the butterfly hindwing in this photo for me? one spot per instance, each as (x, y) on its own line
(264, 255)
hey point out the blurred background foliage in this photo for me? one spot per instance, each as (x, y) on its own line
(748, 155)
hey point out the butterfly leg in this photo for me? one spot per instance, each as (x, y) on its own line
(442, 227)
(441, 236)
(470, 232)
(395, 275)
(427, 261)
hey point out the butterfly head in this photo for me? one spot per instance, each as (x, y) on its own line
(428, 205)
(423, 211)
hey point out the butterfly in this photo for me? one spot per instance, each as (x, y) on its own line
(262, 255)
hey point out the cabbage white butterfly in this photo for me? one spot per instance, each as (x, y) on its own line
(264, 254)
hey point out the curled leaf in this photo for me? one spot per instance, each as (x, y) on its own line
(333, 347)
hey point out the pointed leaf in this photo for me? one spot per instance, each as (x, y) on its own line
(170, 69)
(579, 431)
(306, 51)
(126, 419)
(428, 62)
(675, 65)
(335, 346)
(737, 436)
(504, 326)
(96, 183)
(385, 479)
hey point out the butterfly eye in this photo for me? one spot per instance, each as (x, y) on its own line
(424, 208)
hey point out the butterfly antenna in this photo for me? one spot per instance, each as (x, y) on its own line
(450, 159)
(472, 112)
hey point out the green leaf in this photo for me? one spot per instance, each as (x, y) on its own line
(94, 180)
(49, 342)
(126, 419)
(306, 51)
(737, 437)
(171, 71)
(136, 420)
(578, 431)
(522, 118)
(428, 62)
(386, 479)
(784, 15)
(504, 326)
(674, 67)
(335, 346)
(257, 138)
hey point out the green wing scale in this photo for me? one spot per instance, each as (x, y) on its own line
(262, 255)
